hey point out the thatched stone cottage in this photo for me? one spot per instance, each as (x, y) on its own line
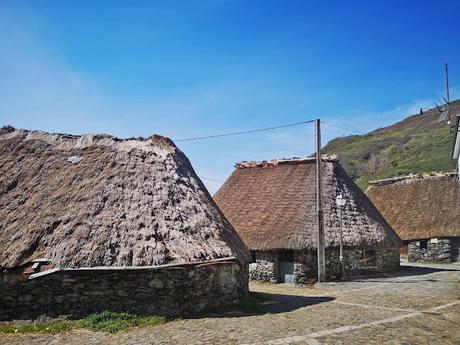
(93, 222)
(272, 207)
(424, 210)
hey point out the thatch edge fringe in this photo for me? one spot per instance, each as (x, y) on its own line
(134, 268)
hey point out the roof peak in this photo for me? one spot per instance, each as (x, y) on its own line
(70, 141)
(283, 161)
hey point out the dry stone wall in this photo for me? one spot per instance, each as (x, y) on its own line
(171, 291)
(438, 251)
(265, 268)
(356, 262)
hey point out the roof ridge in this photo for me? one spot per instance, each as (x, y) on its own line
(418, 176)
(68, 141)
(283, 161)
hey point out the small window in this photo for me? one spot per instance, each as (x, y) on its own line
(253, 256)
(424, 244)
(367, 257)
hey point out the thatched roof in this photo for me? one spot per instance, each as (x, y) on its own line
(95, 200)
(419, 206)
(272, 206)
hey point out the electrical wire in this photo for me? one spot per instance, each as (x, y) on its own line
(210, 179)
(244, 132)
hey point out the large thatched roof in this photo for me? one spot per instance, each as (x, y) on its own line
(419, 206)
(272, 206)
(95, 200)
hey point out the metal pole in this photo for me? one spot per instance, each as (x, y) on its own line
(319, 208)
(447, 84)
(341, 244)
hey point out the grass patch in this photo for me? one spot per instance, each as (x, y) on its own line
(39, 327)
(105, 321)
(114, 322)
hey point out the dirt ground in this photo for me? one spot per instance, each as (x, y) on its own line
(420, 304)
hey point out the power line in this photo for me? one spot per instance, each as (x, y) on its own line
(210, 179)
(245, 132)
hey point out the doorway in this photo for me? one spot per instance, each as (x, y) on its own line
(286, 266)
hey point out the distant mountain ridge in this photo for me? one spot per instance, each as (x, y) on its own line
(419, 143)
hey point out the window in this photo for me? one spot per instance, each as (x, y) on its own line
(253, 256)
(423, 244)
(367, 257)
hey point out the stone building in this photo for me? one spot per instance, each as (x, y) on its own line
(94, 222)
(272, 205)
(456, 148)
(424, 210)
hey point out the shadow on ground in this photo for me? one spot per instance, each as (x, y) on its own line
(417, 270)
(404, 271)
(267, 303)
(278, 303)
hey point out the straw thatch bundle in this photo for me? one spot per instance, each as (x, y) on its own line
(272, 206)
(95, 200)
(419, 206)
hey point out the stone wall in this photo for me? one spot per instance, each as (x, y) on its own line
(305, 267)
(356, 262)
(169, 290)
(434, 252)
(265, 268)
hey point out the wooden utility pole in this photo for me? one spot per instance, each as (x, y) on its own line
(319, 208)
(447, 84)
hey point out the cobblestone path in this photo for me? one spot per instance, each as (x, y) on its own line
(419, 305)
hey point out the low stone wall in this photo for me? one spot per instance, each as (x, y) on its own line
(164, 290)
(434, 252)
(265, 268)
(356, 262)
(305, 267)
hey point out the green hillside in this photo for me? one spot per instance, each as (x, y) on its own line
(419, 143)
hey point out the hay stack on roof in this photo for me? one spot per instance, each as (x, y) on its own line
(419, 206)
(272, 206)
(95, 200)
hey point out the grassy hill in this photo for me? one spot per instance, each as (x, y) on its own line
(419, 143)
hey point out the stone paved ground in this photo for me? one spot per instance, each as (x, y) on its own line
(419, 305)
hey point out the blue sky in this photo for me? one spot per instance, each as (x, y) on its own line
(193, 68)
